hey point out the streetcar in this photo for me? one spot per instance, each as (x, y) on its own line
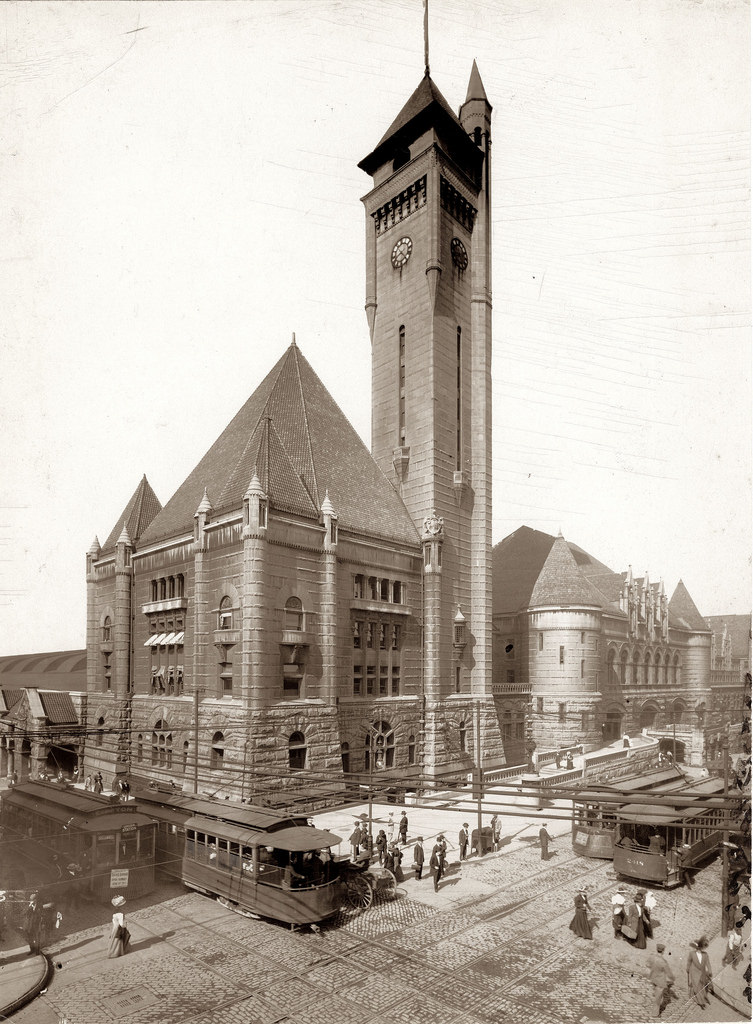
(656, 843)
(594, 820)
(102, 847)
(258, 861)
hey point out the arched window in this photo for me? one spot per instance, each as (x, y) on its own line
(217, 753)
(675, 670)
(139, 747)
(225, 617)
(646, 668)
(163, 589)
(648, 716)
(657, 664)
(345, 755)
(611, 670)
(294, 613)
(677, 710)
(411, 749)
(380, 739)
(107, 629)
(666, 670)
(297, 751)
(100, 731)
(162, 745)
(462, 737)
(623, 668)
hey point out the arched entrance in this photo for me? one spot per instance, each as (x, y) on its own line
(674, 747)
(61, 758)
(611, 727)
(24, 767)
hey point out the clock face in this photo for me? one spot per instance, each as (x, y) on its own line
(401, 251)
(459, 254)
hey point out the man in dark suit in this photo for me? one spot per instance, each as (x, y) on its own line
(545, 839)
(418, 858)
(662, 978)
(463, 840)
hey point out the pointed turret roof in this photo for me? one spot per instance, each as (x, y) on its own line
(561, 582)
(137, 515)
(476, 89)
(125, 537)
(292, 436)
(683, 609)
(425, 108)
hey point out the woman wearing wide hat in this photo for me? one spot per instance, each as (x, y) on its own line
(120, 937)
(580, 925)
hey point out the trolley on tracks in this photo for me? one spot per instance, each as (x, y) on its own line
(594, 818)
(658, 844)
(103, 845)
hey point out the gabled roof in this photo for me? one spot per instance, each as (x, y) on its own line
(136, 516)
(58, 707)
(292, 434)
(561, 582)
(425, 108)
(683, 609)
(738, 629)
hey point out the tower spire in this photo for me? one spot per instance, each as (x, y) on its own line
(426, 38)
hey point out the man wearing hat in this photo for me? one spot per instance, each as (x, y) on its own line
(463, 840)
(418, 858)
(618, 910)
(544, 840)
(662, 977)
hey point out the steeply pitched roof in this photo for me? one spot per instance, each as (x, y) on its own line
(136, 516)
(426, 107)
(738, 628)
(561, 582)
(292, 434)
(518, 560)
(683, 610)
(58, 707)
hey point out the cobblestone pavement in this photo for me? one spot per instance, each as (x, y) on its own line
(492, 945)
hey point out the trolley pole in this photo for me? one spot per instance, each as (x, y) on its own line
(480, 776)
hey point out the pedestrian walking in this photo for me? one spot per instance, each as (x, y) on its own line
(120, 937)
(389, 859)
(397, 860)
(699, 972)
(381, 845)
(733, 954)
(436, 865)
(618, 910)
(355, 842)
(463, 840)
(545, 839)
(390, 827)
(402, 828)
(580, 925)
(33, 924)
(418, 858)
(662, 978)
(88, 783)
(98, 783)
(648, 902)
(634, 926)
(365, 839)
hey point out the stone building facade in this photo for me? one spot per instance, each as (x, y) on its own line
(302, 612)
(584, 654)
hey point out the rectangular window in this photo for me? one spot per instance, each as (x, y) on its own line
(457, 679)
(395, 680)
(582, 638)
(511, 675)
(383, 680)
(562, 655)
(395, 638)
(291, 681)
(357, 626)
(369, 634)
(357, 680)
(358, 587)
(541, 641)
(540, 705)
(562, 712)
(370, 679)
(382, 636)
(582, 669)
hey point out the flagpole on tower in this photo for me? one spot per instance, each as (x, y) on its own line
(426, 37)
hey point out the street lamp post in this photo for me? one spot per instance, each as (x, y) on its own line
(375, 740)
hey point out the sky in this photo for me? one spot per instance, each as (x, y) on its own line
(181, 195)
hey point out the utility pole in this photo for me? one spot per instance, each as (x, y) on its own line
(725, 842)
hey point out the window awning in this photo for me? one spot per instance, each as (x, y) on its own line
(160, 639)
(178, 638)
(152, 640)
(169, 638)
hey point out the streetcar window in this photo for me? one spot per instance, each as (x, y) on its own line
(106, 849)
(223, 856)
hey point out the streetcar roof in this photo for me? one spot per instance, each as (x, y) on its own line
(112, 821)
(296, 838)
(181, 806)
(657, 814)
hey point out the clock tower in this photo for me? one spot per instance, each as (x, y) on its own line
(428, 305)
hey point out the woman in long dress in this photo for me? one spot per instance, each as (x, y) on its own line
(120, 937)
(635, 920)
(699, 972)
(580, 925)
